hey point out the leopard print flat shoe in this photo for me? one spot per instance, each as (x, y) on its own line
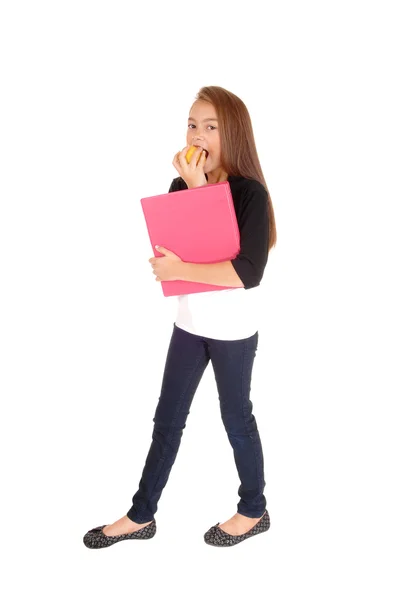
(217, 537)
(95, 538)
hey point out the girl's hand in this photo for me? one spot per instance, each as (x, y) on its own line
(168, 267)
(192, 173)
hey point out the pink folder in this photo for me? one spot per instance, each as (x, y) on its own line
(198, 224)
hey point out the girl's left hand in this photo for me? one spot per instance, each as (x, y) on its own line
(167, 267)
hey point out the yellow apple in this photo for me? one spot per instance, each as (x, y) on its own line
(191, 151)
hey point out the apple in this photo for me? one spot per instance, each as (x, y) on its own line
(191, 151)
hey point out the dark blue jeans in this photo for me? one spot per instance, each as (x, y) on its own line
(187, 358)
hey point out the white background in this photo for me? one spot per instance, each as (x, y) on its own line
(94, 105)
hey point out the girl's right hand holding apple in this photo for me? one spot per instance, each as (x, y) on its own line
(190, 165)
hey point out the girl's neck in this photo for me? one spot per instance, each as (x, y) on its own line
(217, 176)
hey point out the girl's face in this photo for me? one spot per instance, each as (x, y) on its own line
(202, 130)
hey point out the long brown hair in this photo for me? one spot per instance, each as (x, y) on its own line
(238, 150)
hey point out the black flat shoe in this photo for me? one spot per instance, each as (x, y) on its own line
(217, 537)
(95, 538)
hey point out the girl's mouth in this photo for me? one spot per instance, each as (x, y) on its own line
(206, 151)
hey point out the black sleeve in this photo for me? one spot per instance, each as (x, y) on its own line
(172, 186)
(253, 224)
(177, 184)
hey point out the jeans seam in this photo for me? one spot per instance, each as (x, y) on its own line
(245, 421)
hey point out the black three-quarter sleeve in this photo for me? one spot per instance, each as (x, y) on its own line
(177, 184)
(172, 186)
(253, 222)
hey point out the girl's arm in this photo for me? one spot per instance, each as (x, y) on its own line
(221, 273)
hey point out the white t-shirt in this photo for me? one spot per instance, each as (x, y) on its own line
(230, 314)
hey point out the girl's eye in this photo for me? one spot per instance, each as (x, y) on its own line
(195, 126)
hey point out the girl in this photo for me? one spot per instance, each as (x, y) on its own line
(220, 326)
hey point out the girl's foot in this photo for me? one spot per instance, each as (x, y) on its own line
(238, 524)
(123, 525)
